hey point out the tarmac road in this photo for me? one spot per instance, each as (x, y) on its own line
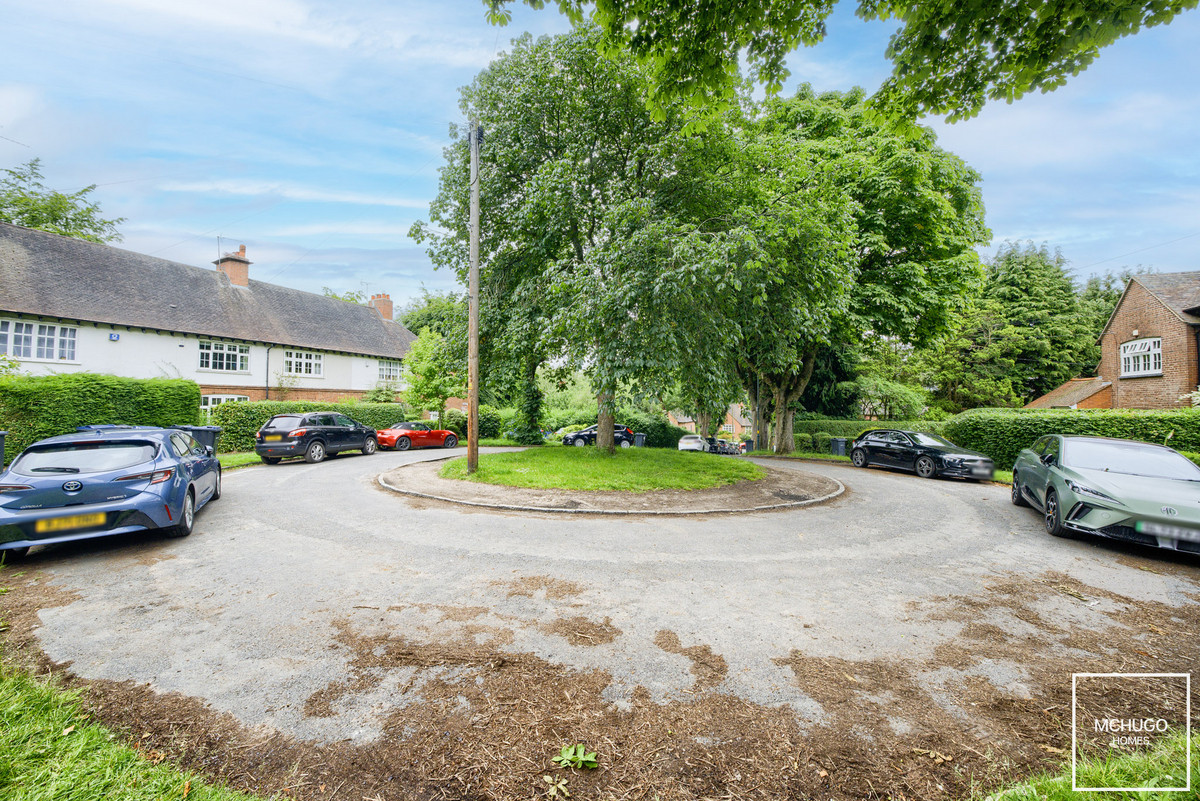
(244, 613)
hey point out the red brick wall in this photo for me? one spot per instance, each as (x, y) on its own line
(1142, 312)
(1101, 400)
(257, 393)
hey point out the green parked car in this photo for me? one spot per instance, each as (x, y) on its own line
(1114, 488)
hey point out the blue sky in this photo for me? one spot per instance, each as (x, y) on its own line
(311, 131)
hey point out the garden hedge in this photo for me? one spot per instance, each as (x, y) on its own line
(239, 420)
(1002, 434)
(850, 429)
(36, 407)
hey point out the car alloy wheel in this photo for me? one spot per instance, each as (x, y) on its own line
(579, 442)
(403, 444)
(451, 441)
(1018, 499)
(370, 445)
(925, 467)
(625, 443)
(1053, 518)
(187, 516)
(858, 457)
(217, 487)
(315, 452)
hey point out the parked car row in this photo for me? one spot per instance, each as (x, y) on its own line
(622, 435)
(695, 442)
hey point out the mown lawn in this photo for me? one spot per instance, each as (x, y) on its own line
(238, 459)
(629, 469)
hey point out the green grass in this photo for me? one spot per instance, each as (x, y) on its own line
(49, 751)
(238, 459)
(825, 457)
(629, 469)
(497, 442)
(1163, 765)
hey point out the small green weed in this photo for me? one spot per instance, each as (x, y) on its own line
(557, 787)
(576, 756)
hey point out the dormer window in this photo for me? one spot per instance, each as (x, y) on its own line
(1141, 357)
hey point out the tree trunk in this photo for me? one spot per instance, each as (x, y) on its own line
(606, 422)
(761, 415)
(784, 442)
(704, 424)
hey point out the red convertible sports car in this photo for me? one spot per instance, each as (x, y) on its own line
(402, 436)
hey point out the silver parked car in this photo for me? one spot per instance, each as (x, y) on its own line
(693, 442)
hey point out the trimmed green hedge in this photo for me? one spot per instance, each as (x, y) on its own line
(1003, 434)
(850, 429)
(239, 420)
(36, 407)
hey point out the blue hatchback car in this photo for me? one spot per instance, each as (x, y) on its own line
(102, 481)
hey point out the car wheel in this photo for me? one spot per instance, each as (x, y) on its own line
(579, 442)
(925, 467)
(217, 487)
(450, 442)
(403, 444)
(271, 459)
(13, 554)
(858, 457)
(187, 516)
(625, 443)
(1018, 498)
(370, 445)
(1053, 517)
(315, 452)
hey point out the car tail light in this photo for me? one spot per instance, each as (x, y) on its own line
(14, 487)
(154, 477)
(299, 432)
(629, 431)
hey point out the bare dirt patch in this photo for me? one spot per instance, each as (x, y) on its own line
(583, 632)
(474, 721)
(780, 488)
(552, 589)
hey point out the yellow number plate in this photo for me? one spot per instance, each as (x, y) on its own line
(68, 523)
(273, 437)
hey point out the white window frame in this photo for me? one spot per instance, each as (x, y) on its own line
(39, 342)
(209, 348)
(210, 402)
(389, 370)
(303, 363)
(727, 428)
(1141, 357)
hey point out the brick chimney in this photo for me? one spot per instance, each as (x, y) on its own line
(382, 303)
(236, 266)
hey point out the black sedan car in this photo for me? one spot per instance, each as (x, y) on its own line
(622, 434)
(926, 454)
(313, 435)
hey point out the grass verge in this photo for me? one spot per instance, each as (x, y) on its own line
(497, 442)
(629, 469)
(50, 751)
(823, 457)
(1162, 766)
(238, 459)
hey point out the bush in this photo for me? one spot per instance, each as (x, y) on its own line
(456, 421)
(36, 407)
(850, 429)
(804, 442)
(241, 419)
(1002, 434)
(490, 422)
(821, 441)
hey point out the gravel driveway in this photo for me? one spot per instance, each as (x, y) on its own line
(312, 602)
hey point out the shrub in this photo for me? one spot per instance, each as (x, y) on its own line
(1002, 434)
(490, 421)
(821, 441)
(36, 407)
(241, 419)
(850, 429)
(804, 442)
(456, 421)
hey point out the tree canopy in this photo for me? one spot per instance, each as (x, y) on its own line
(24, 200)
(948, 57)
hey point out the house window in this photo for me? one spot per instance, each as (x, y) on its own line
(226, 357)
(210, 402)
(727, 428)
(37, 341)
(389, 370)
(1141, 357)
(300, 362)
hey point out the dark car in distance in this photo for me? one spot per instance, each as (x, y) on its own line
(312, 435)
(103, 481)
(623, 435)
(928, 455)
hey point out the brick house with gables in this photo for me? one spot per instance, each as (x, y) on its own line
(1149, 349)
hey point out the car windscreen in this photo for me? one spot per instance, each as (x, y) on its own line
(922, 438)
(283, 422)
(400, 426)
(90, 457)
(1131, 458)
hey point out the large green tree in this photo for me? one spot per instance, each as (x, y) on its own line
(24, 200)
(948, 57)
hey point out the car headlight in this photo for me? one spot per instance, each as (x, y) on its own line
(1080, 489)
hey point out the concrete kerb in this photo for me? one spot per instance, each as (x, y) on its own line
(382, 479)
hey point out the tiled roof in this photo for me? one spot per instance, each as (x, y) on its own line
(57, 276)
(1179, 292)
(1069, 394)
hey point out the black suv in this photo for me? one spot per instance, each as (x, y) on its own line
(623, 435)
(312, 435)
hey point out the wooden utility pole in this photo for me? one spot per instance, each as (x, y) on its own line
(473, 310)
